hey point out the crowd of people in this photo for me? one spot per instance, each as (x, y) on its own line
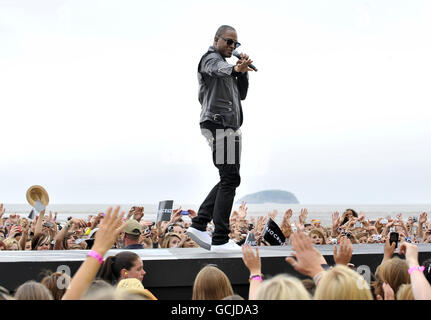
(46, 233)
(120, 276)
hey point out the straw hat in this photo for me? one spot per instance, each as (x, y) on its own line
(35, 193)
(134, 286)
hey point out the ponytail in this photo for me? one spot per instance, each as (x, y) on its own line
(112, 266)
(106, 271)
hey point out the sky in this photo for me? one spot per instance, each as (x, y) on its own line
(98, 99)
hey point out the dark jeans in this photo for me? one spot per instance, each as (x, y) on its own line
(218, 204)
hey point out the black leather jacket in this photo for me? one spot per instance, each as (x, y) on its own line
(221, 90)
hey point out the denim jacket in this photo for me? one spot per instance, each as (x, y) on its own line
(221, 90)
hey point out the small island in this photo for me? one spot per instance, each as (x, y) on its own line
(270, 196)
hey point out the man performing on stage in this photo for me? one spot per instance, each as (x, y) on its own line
(222, 86)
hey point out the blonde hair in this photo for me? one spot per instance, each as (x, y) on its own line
(211, 284)
(10, 242)
(167, 238)
(394, 272)
(405, 292)
(32, 290)
(342, 283)
(282, 287)
(113, 294)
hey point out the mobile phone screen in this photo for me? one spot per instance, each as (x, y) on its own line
(394, 238)
(39, 206)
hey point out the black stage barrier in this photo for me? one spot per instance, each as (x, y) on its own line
(171, 272)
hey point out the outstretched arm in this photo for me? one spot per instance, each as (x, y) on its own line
(111, 226)
(39, 222)
(420, 286)
(253, 263)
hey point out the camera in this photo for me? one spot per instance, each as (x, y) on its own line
(347, 234)
(48, 224)
(377, 237)
(334, 241)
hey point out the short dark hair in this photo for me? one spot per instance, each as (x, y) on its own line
(223, 29)
(132, 237)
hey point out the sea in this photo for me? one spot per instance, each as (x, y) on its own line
(323, 212)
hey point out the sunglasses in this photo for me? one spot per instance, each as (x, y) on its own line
(230, 42)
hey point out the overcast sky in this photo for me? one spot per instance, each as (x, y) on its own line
(98, 99)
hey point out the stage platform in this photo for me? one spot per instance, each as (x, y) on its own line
(171, 272)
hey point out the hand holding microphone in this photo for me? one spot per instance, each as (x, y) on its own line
(244, 64)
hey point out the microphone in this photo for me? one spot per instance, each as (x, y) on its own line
(236, 54)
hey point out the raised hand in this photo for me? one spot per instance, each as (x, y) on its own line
(109, 230)
(96, 220)
(422, 218)
(299, 226)
(410, 251)
(345, 254)
(335, 220)
(286, 225)
(242, 211)
(306, 259)
(14, 231)
(138, 214)
(303, 216)
(288, 215)
(78, 223)
(242, 65)
(251, 259)
(260, 225)
(192, 214)
(176, 215)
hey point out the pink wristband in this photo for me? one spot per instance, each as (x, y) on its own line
(256, 277)
(421, 269)
(96, 256)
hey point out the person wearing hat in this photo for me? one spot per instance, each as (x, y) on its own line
(134, 286)
(132, 233)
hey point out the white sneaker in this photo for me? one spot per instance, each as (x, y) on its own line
(229, 246)
(202, 238)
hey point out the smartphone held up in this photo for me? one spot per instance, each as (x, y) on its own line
(393, 238)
